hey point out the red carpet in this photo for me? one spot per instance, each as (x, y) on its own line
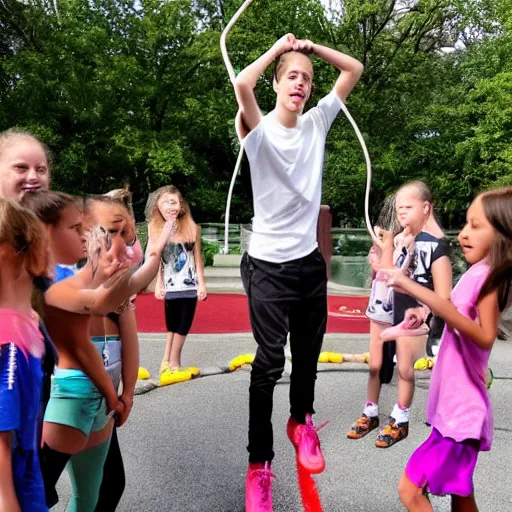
(225, 313)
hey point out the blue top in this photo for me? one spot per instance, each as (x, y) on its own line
(64, 271)
(20, 394)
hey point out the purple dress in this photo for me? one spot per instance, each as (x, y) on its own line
(458, 406)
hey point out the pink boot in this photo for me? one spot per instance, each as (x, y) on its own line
(307, 445)
(258, 488)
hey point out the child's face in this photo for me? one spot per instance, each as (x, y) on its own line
(117, 228)
(169, 206)
(478, 235)
(295, 82)
(411, 210)
(67, 237)
(23, 168)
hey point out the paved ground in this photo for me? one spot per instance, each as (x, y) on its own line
(184, 446)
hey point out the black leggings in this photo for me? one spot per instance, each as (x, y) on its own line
(179, 314)
(114, 480)
(112, 485)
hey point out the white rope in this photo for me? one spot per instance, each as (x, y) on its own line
(232, 77)
(367, 221)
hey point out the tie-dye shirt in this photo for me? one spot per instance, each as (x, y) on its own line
(21, 350)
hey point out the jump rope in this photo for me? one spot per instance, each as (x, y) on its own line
(307, 486)
(232, 76)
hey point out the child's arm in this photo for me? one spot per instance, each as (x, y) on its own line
(351, 69)
(482, 334)
(442, 276)
(130, 358)
(247, 79)
(68, 295)
(8, 500)
(198, 257)
(159, 286)
(145, 274)
(107, 297)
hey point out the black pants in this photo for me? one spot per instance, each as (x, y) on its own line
(179, 314)
(283, 298)
(113, 483)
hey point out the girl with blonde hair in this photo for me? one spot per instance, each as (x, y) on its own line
(180, 280)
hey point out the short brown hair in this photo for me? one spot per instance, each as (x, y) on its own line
(47, 205)
(280, 63)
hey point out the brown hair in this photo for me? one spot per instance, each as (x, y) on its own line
(187, 228)
(280, 62)
(22, 230)
(497, 205)
(47, 205)
(7, 136)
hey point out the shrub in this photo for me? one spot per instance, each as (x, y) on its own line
(209, 250)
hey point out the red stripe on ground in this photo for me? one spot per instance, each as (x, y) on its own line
(226, 313)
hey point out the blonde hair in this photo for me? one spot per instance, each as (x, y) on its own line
(27, 237)
(124, 195)
(422, 188)
(7, 136)
(186, 229)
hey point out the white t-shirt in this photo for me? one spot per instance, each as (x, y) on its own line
(286, 173)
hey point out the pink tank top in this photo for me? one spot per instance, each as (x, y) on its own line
(458, 403)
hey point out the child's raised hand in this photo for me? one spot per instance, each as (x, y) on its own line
(303, 45)
(415, 317)
(168, 231)
(285, 44)
(391, 276)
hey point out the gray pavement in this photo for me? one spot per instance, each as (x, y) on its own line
(184, 445)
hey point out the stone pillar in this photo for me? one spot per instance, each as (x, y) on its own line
(324, 236)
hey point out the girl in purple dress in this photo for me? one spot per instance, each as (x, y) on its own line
(458, 405)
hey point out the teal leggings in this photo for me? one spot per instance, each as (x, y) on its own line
(86, 473)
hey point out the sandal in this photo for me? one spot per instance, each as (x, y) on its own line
(165, 367)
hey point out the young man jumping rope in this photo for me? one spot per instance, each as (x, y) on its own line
(284, 274)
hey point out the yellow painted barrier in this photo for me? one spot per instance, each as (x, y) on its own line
(239, 361)
(143, 374)
(167, 378)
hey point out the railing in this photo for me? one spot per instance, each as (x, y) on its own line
(214, 232)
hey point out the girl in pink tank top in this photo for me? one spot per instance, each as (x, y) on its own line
(458, 406)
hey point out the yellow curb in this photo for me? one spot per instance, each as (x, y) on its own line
(143, 374)
(167, 378)
(424, 363)
(324, 357)
(335, 357)
(239, 361)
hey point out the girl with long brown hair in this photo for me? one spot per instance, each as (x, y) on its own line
(458, 406)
